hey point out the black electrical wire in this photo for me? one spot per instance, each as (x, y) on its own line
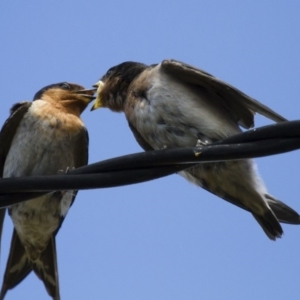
(140, 167)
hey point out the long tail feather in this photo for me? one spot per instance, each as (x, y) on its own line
(18, 265)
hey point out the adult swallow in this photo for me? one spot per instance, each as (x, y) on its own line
(172, 104)
(42, 137)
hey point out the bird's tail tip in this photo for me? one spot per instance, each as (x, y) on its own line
(269, 224)
(46, 269)
(283, 212)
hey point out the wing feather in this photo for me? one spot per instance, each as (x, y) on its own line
(240, 106)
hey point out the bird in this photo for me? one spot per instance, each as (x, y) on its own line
(173, 104)
(45, 136)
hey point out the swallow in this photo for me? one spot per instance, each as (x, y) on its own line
(42, 137)
(173, 104)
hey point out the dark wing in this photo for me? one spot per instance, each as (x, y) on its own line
(18, 265)
(81, 156)
(139, 138)
(240, 106)
(81, 153)
(283, 212)
(7, 134)
(9, 129)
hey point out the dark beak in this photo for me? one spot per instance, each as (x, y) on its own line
(87, 93)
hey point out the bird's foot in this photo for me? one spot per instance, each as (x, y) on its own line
(201, 143)
(62, 172)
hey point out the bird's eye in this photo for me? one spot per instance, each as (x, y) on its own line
(65, 86)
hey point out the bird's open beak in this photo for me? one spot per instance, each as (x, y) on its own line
(98, 103)
(88, 94)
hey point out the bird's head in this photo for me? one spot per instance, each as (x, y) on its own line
(113, 86)
(69, 95)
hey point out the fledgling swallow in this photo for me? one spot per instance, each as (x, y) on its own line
(172, 104)
(42, 137)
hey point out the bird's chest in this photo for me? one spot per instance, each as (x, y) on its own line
(41, 146)
(163, 120)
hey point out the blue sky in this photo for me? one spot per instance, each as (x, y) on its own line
(164, 239)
